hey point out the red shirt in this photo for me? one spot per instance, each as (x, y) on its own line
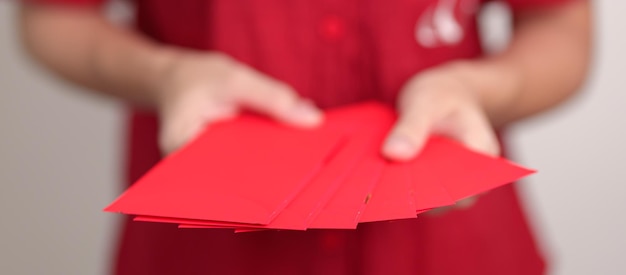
(334, 52)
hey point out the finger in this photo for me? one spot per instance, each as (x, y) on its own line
(466, 203)
(439, 211)
(276, 99)
(176, 132)
(188, 119)
(410, 132)
(460, 205)
(472, 128)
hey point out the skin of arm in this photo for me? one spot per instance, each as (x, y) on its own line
(189, 89)
(544, 64)
(92, 52)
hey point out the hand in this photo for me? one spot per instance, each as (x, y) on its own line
(197, 89)
(460, 205)
(439, 101)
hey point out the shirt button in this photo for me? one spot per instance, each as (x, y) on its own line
(332, 27)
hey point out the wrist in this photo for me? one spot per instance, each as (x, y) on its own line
(161, 63)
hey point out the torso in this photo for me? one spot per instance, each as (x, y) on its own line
(334, 52)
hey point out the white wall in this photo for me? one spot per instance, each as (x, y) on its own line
(60, 153)
(579, 195)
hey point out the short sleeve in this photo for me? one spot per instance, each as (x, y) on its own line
(520, 5)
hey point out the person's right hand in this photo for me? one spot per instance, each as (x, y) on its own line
(197, 89)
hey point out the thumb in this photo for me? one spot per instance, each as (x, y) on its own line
(408, 135)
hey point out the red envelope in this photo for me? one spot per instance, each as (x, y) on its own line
(374, 122)
(251, 174)
(298, 214)
(238, 230)
(307, 204)
(302, 211)
(346, 207)
(216, 224)
(392, 198)
(448, 165)
(190, 226)
(246, 170)
(426, 176)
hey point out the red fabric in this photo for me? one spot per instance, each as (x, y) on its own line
(335, 52)
(67, 2)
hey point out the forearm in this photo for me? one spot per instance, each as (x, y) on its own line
(83, 47)
(545, 64)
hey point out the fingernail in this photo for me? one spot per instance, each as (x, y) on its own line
(305, 113)
(399, 147)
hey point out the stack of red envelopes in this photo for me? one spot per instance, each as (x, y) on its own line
(251, 173)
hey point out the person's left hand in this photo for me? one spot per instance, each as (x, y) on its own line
(439, 101)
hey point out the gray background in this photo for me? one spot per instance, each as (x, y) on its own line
(60, 153)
